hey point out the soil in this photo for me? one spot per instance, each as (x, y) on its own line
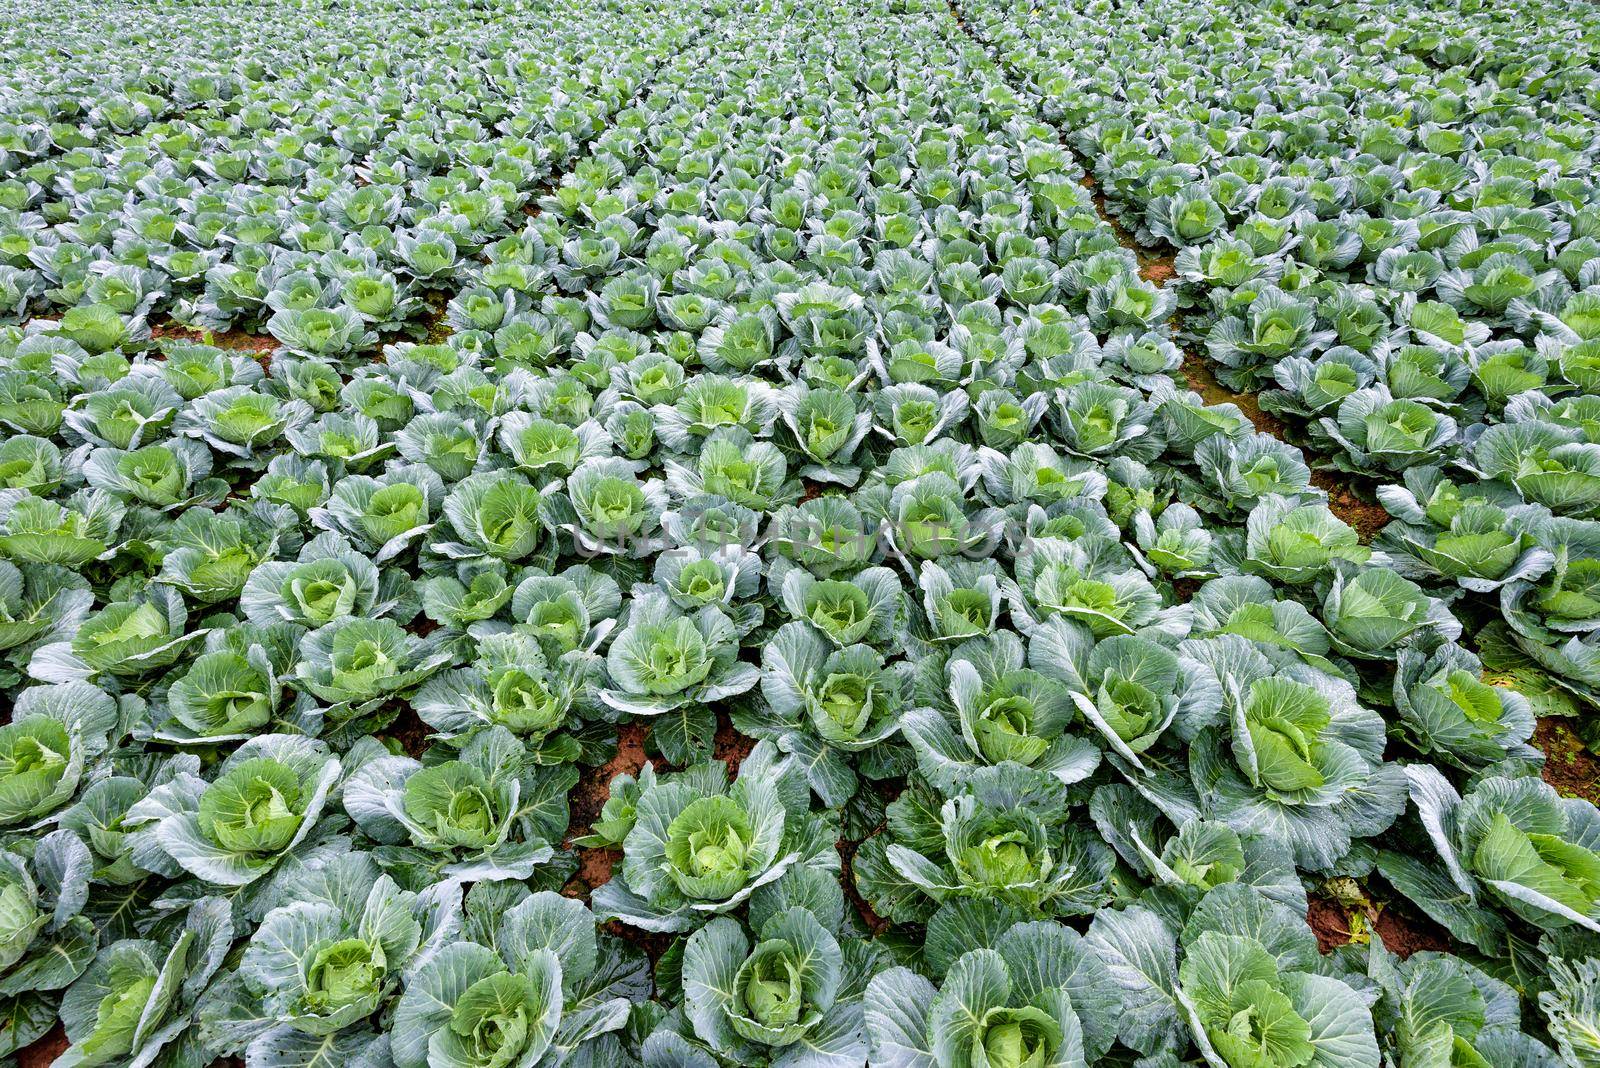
(653, 944)
(594, 870)
(45, 1050)
(1367, 517)
(587, 799)
(1160, 271)
(1568, 766)
(1329, 922)
(434, 322)
(1124, 238)
(1184, 589)
(730, 745)
(1197, 371)
(1403, 933)
(594, 783)
(237, 340)
(409, 731)
(961, 21)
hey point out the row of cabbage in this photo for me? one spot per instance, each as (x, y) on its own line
(1394, 233)
(320, 196)
(813, 394)
(324, 171)
(1393, 225)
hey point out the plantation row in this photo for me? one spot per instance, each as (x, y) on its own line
(409, 407)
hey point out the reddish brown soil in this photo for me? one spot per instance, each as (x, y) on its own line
(1402, 932)
(594, 870)
(1124, 238)
(585, 802)
(237, 340)
(1367, 517)
(594, 783)
(1159, 271)
(730, 745)
(42, 1052)
(1328, 922)
(1197, 372)
(1568, 766)
(594, 788)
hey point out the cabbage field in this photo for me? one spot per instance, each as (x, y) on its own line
(777, 534)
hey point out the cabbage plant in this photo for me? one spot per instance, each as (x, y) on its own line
(45, 941)
(781, 996)
(135, 1003)
(265, 805)
(322, 962)
(665, 658)
(700, 848)
(538, 985)
(1508, 845)
(1021, 994)
(488, 813)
